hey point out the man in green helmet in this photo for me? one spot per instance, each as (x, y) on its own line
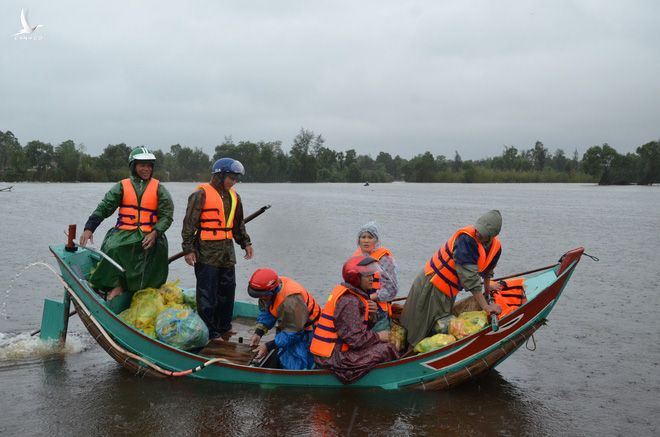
(137, 241)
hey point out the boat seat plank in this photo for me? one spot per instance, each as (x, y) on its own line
(238, 353)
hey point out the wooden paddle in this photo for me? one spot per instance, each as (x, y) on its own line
(247, 219)
(496, 279)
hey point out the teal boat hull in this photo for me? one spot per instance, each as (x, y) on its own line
(439, 369)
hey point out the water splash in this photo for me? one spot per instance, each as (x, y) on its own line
(3, 308)
(18, 347)
(22, 347)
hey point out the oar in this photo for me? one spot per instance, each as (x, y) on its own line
(496, 279)
(525, 273)
(252, 216)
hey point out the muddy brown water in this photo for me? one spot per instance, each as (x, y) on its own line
(595, 370)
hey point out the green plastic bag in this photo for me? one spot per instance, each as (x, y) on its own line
(183, 329)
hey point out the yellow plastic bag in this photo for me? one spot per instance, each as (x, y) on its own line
(434, 342)
(468, 323)
(128, 315)
(479, 318)
(397, 336)
(147, 304)
(171, 293)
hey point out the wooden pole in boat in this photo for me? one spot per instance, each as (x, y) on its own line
(71, 236)
(398, 299)
(70, 247)
(247, 219)
(526, 273)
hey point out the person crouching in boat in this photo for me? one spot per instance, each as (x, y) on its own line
(470, 255)
(368, 242)
(285, 302)
(343, 341)
(137, 241)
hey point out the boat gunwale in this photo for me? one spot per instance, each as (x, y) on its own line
(427, 356)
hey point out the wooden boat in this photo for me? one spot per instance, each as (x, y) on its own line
(438, 369)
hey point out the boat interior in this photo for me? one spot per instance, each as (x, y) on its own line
(237, 349)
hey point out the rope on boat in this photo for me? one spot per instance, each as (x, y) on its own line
(105, 335)
(595, 258)
(198, 368)
(531, 337)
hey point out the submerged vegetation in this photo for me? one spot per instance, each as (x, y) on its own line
(309, 160)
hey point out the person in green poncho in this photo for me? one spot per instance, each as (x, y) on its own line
(137, 241)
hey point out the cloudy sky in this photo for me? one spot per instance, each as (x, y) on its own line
(397, 76)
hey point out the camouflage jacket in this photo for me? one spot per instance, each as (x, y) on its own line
(218, 253)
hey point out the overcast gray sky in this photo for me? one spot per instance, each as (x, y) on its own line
(397, 76)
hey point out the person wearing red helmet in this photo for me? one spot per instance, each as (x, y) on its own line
(343, 341)
(284, 302)
(213, 221)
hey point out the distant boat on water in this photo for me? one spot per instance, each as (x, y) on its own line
(7, 188)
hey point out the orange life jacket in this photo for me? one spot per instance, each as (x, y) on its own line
(212, 222)
(511, 297)
(325, 334)
(377, 255)
(133, 214)
(289, 288)
(443, 266)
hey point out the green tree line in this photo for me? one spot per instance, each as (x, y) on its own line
(310, 160)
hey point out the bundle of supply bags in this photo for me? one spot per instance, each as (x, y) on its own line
(449, 329)
(168, 314)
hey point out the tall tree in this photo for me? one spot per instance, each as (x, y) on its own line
(597, 161)
(12, 158)
(457, 164)
(649, 155)
(113, 162)
(303, 162)
(186, 164)
(40, 157)
(67, 158)
(539, 156)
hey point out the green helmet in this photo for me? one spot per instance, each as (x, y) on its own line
(140, 154)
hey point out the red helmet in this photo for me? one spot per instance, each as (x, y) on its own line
(357, 266)
(263, 282)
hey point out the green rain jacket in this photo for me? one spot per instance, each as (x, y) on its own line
(144, 268)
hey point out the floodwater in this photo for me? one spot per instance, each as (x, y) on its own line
(595, 369)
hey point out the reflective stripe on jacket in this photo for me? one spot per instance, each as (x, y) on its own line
(325, 334)
(443, 266)
(377, 255)
(289, 288)
(212, 223)
(132, 214)
(511, 297)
